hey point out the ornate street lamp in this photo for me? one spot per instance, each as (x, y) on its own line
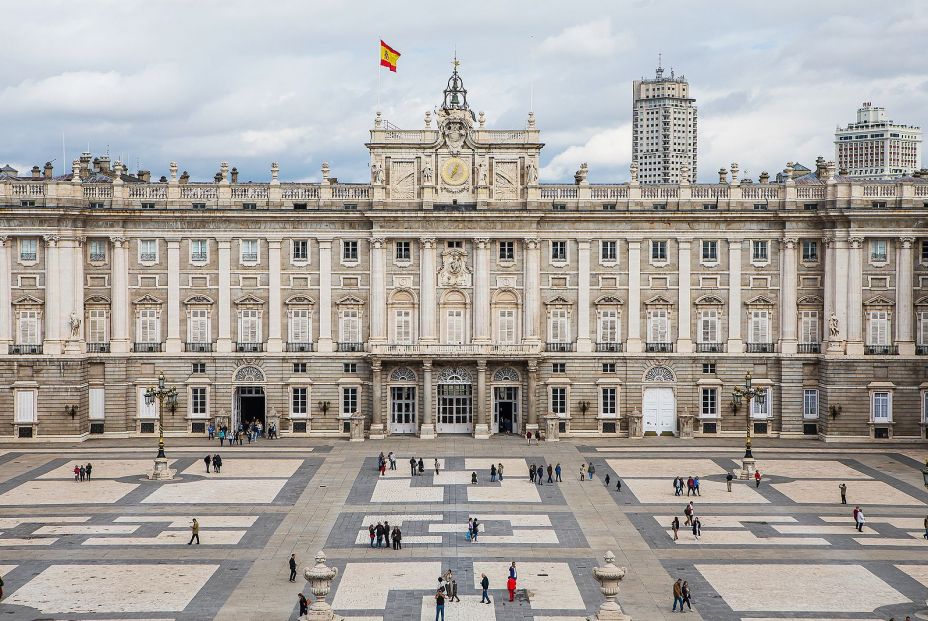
(162, 394)
(748, 393)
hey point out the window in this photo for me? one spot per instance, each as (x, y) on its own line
(299, 329)
(708, 368)
(402, 326)
(198, 326)
(97, 250)
(28, 249)
(249, 248)
(878, 250)
(925, 251)
(760, 206)
(28, 332)
(507, 251)
(299, 367)
(97, 404)
(809, 251)
(608, 206)
(300, 250)
(607, 250)
(658, 251)
(454, 326)
(810, 403)
(659, 206)
(198, 402)
(658, 326)
(350, 206)
(559, 326)
(506, 326)
(608, 326)
(96, 326)
(759, 252)
(349, 400)
(349, 328)
(710, 207)
(922, 336)
(881, 406)
(149, 329)
(810, 207)
(608, 367)
(349, 250)
(299, 402)
(192, 206)
(559, 401)
(558, 207)
(710, 251)
(148, 251)
(808, 327)
(249, 205)
(709, 326)
(199, 252)
(760, 326)
(349, 367)
(710, 403)
(760, 405)
(249, 326)
(559, 367)
(878, 328)
(25, 407)
(299, 206)
(608, 402)
(199, 367)
(454, 243)
(558, 251)
(403, 251)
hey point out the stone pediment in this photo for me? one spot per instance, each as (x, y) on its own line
(350, 300)
(558, 301)
(198, 299)
(608, 300)
(759, 301)
(249, 300)
(149, 300)
(96, 299)
(28, 300)
(296, 300)
(658, 300)
(879, 300)
(709, 300)
(922, 301)
(810, 300)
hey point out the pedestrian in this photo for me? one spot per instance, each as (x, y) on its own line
(512, 571)
(675, 527)
(371, 532)
(676, 486)
(550, 474)
(485, 585)
(386, 534)
(222, 438)
(383, 468)
(926, 527)
(412, 466)
(499, 472)
(475, 531)
(697, 528)
(304, 605)
(540, 474)
(728, 478)
(82, 472)
(211, 431)
(582, 472)
(843, 489)
(217, 463)
(421, 467)
(77, 473)
(1, 588)
(397, 538)
(688, 512)
(293, 568)
(470, 529)
(591, 470)
(511, 587)
(88, 468)
(686, 596)
(557, 473)
(452, 589)
(696, 485)
(531, 473)
(607, 479)
(678, 594)
(854, 515)
(690, 486)
(757, 478)
(194, 532)
(436, 466)
(379, 532)
(528, 437)
(860, 520)
(492, 473)
(208, 460)
(473, 477)
(392, 458)
(440, 604)
(618, 484)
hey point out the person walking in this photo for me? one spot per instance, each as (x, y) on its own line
(210, 432)
(696, 485)
(690, 487)
(590, 470)
(512, 571)
(383, 468)
(728, 478)
(550, 474)
(582, 473)
(618, 484)
(475, 531)
(304, 605)
(686, 596)
(293, 568)
(77, 473)
(854, 515)
(412, 466)
(217, 464)
(499, 472)
(607, 479)
(440, 604)
(675, 527)
(678, 594)
(757, 478)
(492, 473)
(697, 528)
(386, 534)
(421, 467)
(194, 532)
(379, 532)
(452, 589)
(82, 472)
(208, 460)
(528, 437)
(485, 585)
(473, 477)
(511, 587)
(371, 531)
(531, 473)
(436, 466)
(397, 538)
(557, 473)
(540, 474)
(392, 459)
(843, 489)
(926, 527)
(688, 512)
(87, 469)
(222, 436)
(676, 486)
(860, 520)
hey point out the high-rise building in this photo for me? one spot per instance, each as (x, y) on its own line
(664, 129)
(877, 148)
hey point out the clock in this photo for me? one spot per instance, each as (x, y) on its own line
(455, 171)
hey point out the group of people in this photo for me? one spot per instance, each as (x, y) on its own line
(681, 595)
(215, 461)
(447, 591)
(692, 520)
(82, 473)
(692, 486)
(385, 536)
(383, 461)
(249, 431)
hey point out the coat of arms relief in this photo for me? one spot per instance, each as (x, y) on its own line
(454, 271)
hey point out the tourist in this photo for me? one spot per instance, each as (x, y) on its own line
(492, 473)
(550, 473)
(370, 531)
(697, 528)
(452, 588)
(87, 469)
(217, 464)
(392, 459)
(860, 520)
(728, 478)
(690, 487)
(512, 571)
(436, 466)
(397, 538)
(582, 473)
(843, 489)
(854, 515)
(383, 468)
(686, 596)
(222, 437)
(379, 531)
(688, 512)
(386, 534)
(1, 588)
(499, 472)
(531, 473)
(540, 474)
(607, 479)
(591, 470)
(473, 477)
(926, 527)
(194, 532)
(511, 587)
(484, 584)
(757, 478)
(470, 529)
(528, 437)
(380, 461)
(210, 432)
(208, 460)
(77, 473)
(421, 467)
(412, 466)
(696, 485)
(304, 605)
(441, 585)
(557, 473)
(675, 527)
(618, 484)
(440, 604)
(475, 531)
(293, 568)
(82, 472)
(678, 594)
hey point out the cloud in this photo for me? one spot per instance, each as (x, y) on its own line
(591, 40)
(606, 148)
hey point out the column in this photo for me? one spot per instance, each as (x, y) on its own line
(633, 343)
(119, 297)
(584, 342)
(684, 327)
(841, 256)
(855, 343)
(378, 290)
(532, 290)
(427, 429)
(905, 261)
(482, 291)
(6, 294)
(173, 343)
(427, 303)
(482, 428)
(735, 344)
(829, 293)
(52, 341)
(325, 296)
(274, 339)
(224, 342)
(78, 286)
(532, 400)
(376, 432)
(65, 258)
(789, 284)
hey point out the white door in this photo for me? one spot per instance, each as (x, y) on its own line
(659, 411)
(455, 409)
(402, 409)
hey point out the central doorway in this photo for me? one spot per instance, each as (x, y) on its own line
(455, 401)
(402, 409)
(249, 405)
(659, 412)
(505, 409)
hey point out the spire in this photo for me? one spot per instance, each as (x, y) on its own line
(660, 68)
(455, 93)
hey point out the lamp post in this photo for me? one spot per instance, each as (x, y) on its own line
(162, 393)
(748, 393)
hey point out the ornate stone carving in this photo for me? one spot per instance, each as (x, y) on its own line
(403, 180)
(454, 131)
(427, 242)
(790, 242)
(249, 374)
(506, 374)
(454, 375)
(377, 173)
(532, 243)
(427, 173)
(403, 374)
(906, 241)
(378, 242)
(531, 173)
(609, 576)
(833, 328)
(659, 374)
(454, 271)
(581, 174)
(856, 242)
(320, 577)
(505, 180)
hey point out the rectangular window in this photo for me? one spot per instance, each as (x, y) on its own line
(559, 251)
(709, 326)
(249, 248)
(454, 243)
(198, 402)
(349, 400)
(507, 251)
(608, 402)
(349, 367)
(559, 401)
(710, 403)
(559, 367)
(28, 332)
(559, 327)
(199, 367)
(198, 326)
(249, 326)
(454, 326)
(349, 329)
(810, 403)
(708, 368)
(403, 251)
(658, 251)
(199, 252)
(710, 251)
(878, 328)
(506, 326)
(878, 252)
(922, 337)
(658, 326)
(149, 326)
(349, 250)
(760, 405)
(608, 367)
(28, 249)
(96, 326)
(881, 406)
(759, 252)
(97, 250)
(808, 327)
(299, 402)
(97, 403)
(148, 251)
(809, 251)
(760, 206)
(710, 207)
(607, 250)
(249, 205)
(760, 326)
(299, 329)
(25, 407)
(147, 410)
(608, 326)
(299, 367)
(925, 251)
(300, 250)
(402, 325)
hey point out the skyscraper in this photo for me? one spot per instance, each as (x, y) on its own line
(664, 129)
(877, 148)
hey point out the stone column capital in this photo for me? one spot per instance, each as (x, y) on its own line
(856, 242)
(790, 242)
(427, 365)
(482, 242)
(51, 240)
(119, 242)
(482, 365)
(532, 366)
(376, 366)
(532, 243)
(427, 242)
(734, 243)
(828, 240)
(906, 241)
(378, 242)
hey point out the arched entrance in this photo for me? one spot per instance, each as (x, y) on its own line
(248, 400)
(455, 401)
(403, 401)
(658, 404)
(506, 384)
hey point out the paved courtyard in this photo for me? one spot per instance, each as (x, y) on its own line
(115, 547)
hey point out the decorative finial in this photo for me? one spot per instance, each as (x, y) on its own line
(482, 119)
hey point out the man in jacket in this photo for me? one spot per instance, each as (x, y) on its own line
(293, 568)
(678, 594)
(485, 585)
(194, 532)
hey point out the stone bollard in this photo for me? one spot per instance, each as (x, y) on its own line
(609, 576)
(320, 577)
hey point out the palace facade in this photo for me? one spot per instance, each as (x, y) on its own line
(454, 293)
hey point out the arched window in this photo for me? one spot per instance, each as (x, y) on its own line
(506, 374)
(403, 374)
(659, 374)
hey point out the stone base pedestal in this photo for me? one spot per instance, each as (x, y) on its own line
(376, 432)
(686, 425)
(482, 432)
(72, 347)
(552, 429)
(609, 615)
(357, 427)
(161, 471)
(747, 469)
(427, 432)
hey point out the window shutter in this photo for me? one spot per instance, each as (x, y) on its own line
(25, 406)
(97, 404)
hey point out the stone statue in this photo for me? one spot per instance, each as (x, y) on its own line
(376, 173)
(580, 175)
(531, 171)
(482, 172)
(75, 322)
(427, 173)
(833, 326)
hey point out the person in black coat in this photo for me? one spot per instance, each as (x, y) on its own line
(293, 568)
(208, 460)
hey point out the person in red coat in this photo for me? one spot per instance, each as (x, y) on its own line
(511, 587)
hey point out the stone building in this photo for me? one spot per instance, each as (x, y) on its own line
(876, 148)
(664, 129)
(454, 293)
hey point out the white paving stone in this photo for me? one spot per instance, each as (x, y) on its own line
(364, 538)
(15, 542)
(171, 537)
(510, 490)
(662, 468)
(511, 467)
(556, 590)
(804, 587)
(518, 519)
(104, 469)
(864, 492)
(13, 522)
(728, 521)
(454, 528)
(742, 537)
(818, 529)
(87, 529)
(206, 521)
(66, 493)
(249, 468)
(917, 572)
(522, 536)
(898, 522)
(660, 491)
(468, 609)
(365, 586)
(915, 541)
(452, 477)
(5, 569)
(122, 588)
(401, 490)
(218, 491)
(398, 519)
(812, 469)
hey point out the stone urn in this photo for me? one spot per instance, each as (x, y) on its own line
(320, 577)
(609, 576)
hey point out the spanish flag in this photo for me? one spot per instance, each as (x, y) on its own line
(388, 56)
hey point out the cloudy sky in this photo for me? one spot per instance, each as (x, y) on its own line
(297, 81)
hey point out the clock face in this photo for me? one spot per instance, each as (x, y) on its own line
(455, 171)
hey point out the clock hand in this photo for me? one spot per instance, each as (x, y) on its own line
(454, 171)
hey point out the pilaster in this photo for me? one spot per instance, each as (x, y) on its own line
(584, 343)
(224, 342)
(173, 342)
(482, 291)
(633, 345)
(482, 429)
(532, 400)
(325, 343)
(735, 343)
(52, 339)
(6, 293)
(684, 324)
(789, 310)
(119, 302)
(274, 337)
(905, 260)
(855, 344)
(376, 431)
(378, 290)
(427, 429)
(532, 291)
(427, 293)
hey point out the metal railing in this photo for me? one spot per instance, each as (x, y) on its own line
(659, 348)
(298, 347)
(611, 347)
(760, 348)
(350, 347)
(147, 348)
(25, 349)
(98, 348)
(564, 347)
(710, 348)
(249, 347)
(881, 350)
(921, 350)
(810, 348)
(198, 347)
